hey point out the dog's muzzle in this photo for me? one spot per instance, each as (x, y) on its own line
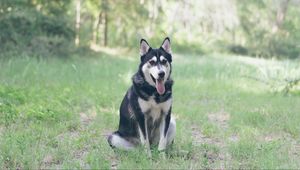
(159, 83)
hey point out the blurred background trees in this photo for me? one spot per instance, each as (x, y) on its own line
(264, 28)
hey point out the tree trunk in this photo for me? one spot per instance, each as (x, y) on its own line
(95, 32)
(104, 20)
(280, 15)
(77, 23)
(105, 28)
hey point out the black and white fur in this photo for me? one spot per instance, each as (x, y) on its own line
(145, 112)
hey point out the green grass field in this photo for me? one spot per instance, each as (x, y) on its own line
(231, 112)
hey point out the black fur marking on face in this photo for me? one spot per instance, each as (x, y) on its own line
(157, 53)
(164, 61)
(152, 62)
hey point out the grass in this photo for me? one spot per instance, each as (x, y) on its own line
(56, 113)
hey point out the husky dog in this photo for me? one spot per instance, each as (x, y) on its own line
(145, 112)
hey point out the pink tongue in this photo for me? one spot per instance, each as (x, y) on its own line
(160, 87)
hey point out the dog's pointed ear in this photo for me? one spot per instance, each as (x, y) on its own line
(144, 47)
(166, 45)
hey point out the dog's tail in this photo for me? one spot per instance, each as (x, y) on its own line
(116, 141)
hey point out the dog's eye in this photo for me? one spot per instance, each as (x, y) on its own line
(152, 62)
(164, 62)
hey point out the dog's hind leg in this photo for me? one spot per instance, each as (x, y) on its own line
(116, 141)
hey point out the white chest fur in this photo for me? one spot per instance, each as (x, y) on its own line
(155, 109)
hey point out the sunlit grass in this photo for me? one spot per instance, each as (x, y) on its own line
(55, 113)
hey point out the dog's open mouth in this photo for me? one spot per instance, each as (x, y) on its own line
(159, 85)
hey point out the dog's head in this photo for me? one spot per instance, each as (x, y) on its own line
(156, 64)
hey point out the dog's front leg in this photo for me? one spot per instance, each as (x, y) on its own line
(162, 141)
(162, 138)
(164, 126)
(143, 133)
(147, 140)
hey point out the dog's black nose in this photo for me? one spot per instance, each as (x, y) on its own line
(161, 74)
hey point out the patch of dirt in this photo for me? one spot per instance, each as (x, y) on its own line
(71, 134)
(271, 137)
(222, 156)
(200, 138)
(80, 155)
(49, 161)
(86, 119)
(277, 136)
(220, 118)
(113, 162)
(295, 149)
(295, 145)
(234, 138)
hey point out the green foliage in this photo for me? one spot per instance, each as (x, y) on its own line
(24, 29)
(266, 37)
(47, 28)
(9, 100)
